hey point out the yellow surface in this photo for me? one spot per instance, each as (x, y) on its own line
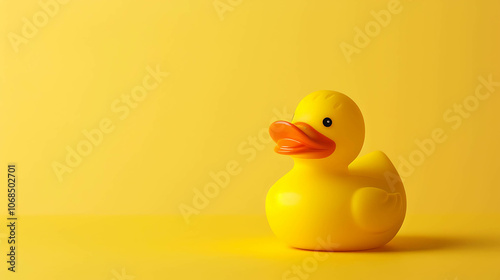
(243, 247)
(202, 129)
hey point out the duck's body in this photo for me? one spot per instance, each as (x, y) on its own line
(336, 212)
(333, 204)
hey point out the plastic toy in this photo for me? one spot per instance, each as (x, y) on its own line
(331, 200)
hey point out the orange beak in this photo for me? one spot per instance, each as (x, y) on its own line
(300, 139)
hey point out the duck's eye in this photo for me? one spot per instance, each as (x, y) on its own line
(327, 122)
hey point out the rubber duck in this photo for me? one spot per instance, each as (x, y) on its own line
(331, 200)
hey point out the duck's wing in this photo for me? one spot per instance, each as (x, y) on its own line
(376, 210)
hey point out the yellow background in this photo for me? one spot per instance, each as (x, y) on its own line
(228, 76)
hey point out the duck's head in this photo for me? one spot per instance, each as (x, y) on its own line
(327, 127)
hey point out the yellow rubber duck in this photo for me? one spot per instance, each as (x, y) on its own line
(331, 200)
